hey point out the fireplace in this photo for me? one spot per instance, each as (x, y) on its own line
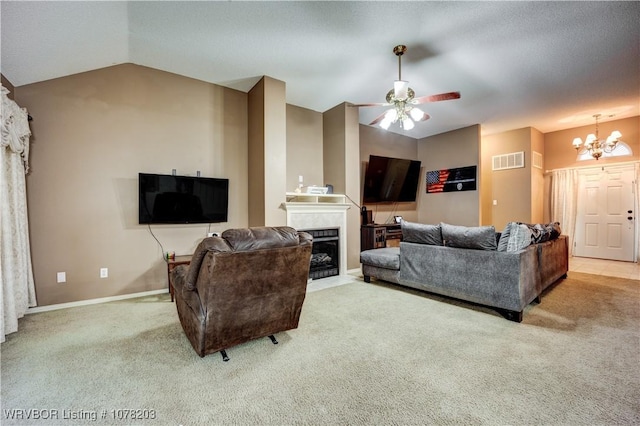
(317, 213)
(325, 253)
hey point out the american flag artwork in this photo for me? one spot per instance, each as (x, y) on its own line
(450, 180)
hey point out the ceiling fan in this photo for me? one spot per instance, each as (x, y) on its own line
(402, 100)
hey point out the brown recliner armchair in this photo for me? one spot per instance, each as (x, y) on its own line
(246, 284)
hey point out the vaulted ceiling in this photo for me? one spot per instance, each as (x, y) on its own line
(549, 65)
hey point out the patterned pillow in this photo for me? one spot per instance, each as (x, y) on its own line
(421, 233)
(519, 238)
(541, 233)
(474, 237)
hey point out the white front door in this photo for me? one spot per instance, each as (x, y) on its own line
(605, 222)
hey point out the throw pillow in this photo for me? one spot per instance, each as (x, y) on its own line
(504, 237)
(421, 233)
(520, 237)
(543, 232)
(474, 237)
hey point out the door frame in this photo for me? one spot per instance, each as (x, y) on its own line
(633, 167)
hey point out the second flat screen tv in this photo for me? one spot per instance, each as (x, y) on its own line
(390, 180)
(182, 199)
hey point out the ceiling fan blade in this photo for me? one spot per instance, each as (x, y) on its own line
(378, 119)
(370, 105)
(424, 117)
(436, 98)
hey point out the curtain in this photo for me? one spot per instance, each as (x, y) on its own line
(564, 201)
(636, 209)
(16, 273)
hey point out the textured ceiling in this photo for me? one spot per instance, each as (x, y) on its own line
(516, 64)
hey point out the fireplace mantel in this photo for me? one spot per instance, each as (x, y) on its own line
(307, 211)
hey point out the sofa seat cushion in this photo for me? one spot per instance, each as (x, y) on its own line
(386, 258)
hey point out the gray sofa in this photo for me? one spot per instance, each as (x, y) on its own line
(506, 270)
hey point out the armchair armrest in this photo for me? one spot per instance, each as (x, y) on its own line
(181, 290)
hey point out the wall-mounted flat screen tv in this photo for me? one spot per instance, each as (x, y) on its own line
(182, 199)
(390, 180)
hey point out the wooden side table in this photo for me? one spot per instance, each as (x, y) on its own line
(171, 265)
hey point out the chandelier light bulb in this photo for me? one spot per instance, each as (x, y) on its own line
(577, 142)
(385, 124)
(391, 115)
(401, 89)
(416, 113)
(407, 124)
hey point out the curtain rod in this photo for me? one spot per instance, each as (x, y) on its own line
(624, 163)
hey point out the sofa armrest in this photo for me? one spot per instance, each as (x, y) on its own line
(181, 290)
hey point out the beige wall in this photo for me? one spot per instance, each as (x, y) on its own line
(256, 155)
(376, 141)
(267, 152)
(559, 153)
(92, 134)
(341, 153)
(537, 178)
(458, 148)
(512, 188)
(304, 147)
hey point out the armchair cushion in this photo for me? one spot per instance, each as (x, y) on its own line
(246, 239)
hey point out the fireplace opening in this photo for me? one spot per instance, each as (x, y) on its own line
(324, 253)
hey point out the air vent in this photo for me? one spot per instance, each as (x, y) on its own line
(514, 160)
(536, 160)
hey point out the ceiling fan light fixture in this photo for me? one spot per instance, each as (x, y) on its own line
(391, 115)
(385, 124)
(401, 100)
(417, 114)
(407, 123)
(401, 89)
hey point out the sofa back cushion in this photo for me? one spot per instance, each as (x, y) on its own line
(421, 233)
(471, 237)
(515, 237)
(519, 237)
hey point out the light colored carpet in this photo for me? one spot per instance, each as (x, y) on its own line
(363, 354)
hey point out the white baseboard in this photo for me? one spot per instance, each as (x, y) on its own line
(46, 308)
(355, 271)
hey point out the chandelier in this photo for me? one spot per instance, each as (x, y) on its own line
(596, 146)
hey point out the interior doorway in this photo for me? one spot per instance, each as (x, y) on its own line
(605, 220)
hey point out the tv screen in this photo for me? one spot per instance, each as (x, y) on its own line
(391, 180)
(182, 199)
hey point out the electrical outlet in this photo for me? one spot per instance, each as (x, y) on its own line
(61, 277)
(104, 272)
(213, 234)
